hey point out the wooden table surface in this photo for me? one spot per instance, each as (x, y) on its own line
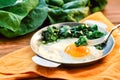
(112, 12)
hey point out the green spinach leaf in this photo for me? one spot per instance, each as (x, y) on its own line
(97, 5)
(7, 3)
(72, 10)
(22, 18)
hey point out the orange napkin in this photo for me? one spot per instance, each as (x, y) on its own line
(18, 64)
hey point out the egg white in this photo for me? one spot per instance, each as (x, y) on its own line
(55, 51)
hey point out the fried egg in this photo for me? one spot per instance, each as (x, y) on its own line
(64, 50)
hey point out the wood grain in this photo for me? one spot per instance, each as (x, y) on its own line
(112, 11)
(9, 45)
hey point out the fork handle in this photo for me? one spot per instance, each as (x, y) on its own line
(117, 26)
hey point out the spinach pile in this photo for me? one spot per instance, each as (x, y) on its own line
(82, 32)
(72, 10)
(19, 17)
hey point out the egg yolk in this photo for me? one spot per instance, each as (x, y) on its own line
(77, 51)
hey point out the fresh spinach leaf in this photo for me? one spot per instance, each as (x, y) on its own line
(22, 18)
(97, 5)
(55, 2)
(7, 3)
(75, 4)
(72, 10)
(68, 15)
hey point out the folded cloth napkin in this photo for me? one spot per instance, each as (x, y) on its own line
(18, 64)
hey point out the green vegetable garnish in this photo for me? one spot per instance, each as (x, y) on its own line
(82, 32)
(65, 32)
(50, 35)
(81, 41)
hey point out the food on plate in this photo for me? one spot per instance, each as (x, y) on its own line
(75, 51)
(82, 32)
(65, 48)
(70, 42)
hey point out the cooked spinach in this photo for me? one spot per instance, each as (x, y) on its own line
(81, 41)
(100, 46)
(82, 32)
(64, 32)
(50, 35)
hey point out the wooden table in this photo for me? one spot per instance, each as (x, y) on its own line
(112, 12)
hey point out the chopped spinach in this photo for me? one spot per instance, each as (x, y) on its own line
(50, 35)
(65, 32)
(100, 46)
(82, 32)
(81, 41)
